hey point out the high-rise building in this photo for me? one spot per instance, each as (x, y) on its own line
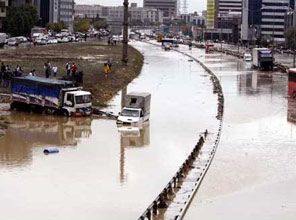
(226, 6)
(265, 18)
(170, 8)
(3, 7)
(55, 10)
(212, 11)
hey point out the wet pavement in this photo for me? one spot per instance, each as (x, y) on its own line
(103, 172)
(253, 174)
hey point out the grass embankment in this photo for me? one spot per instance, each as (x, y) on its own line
(89, 57)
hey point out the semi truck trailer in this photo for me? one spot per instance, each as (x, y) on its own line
(262, 59)
(50, 96)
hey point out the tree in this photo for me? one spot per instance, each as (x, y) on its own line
(82, 25)
(264, 40)
(56, 27)
(20, 20)
(100, 24)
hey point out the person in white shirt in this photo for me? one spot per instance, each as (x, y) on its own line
(32, 73)
(55, 70)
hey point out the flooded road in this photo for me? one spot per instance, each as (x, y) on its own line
(253, 174)
(103, 172)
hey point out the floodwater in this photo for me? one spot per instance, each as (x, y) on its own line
(102, 171)
(253, 174)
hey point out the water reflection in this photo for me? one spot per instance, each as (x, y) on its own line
(291, 113)
(132, 137)
(254, 82)
(29, 131)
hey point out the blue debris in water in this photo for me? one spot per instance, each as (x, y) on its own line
(51, 151)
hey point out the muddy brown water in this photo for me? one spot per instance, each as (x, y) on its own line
(102, 171)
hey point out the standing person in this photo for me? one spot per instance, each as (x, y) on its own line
(68, 69)
(110, 65)
(74, 69)
(85, 37)
(46, 67)
(55, 70)
(2, 67)
(32, 73)
(106, 69)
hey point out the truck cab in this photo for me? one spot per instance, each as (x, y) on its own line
(136, 108)
(77, 103)
(130, 116)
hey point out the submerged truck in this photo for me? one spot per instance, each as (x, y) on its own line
(262, 59)
(50, 96)
(136, 108)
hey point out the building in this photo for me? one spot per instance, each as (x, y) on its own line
(194, 19)
(265, 18)
(170, 8)
(3, 8)
(20, 2)
(223, 21)
(114, 14)
(55, 11)
(66, 12)
(226, 6)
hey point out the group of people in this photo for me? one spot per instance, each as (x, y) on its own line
(112, 41)
(71, 68)
(50, 69)
(7, 72)
(107, 68)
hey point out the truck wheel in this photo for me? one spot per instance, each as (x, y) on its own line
(66, 113)
(13, 106)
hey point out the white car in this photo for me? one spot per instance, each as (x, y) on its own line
(12, 42)
(52, 41)
(42, 41)
(247, 57)
(65, 40)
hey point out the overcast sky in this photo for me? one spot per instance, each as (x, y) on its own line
(193, 5)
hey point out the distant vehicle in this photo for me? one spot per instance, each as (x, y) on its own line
(43, 41)
(12, 42)
(65, 40)
(292, 83)
(247, 57)
(37, 31)
(167, 41)
(50, 95)
(175, 43)
(136, 108)
(166, 47)
(262, 59)
(65, 32)
(3, 37)
(52, 41)
(71, 38)
(21, 39)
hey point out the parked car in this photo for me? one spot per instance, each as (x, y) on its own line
(65, 40)
(52, 41)
(43, 41)
(12, 42)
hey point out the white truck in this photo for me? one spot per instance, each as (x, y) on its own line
(50, 96)
(136, 108)
(262, 59)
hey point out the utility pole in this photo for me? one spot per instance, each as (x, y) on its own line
(125, 33)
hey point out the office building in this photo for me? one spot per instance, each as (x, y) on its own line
(265, 18)
(170, 8)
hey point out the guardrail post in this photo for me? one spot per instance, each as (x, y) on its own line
(154, 207)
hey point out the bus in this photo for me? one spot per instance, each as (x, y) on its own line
(167, 41)
(37, 31)
(292, 83)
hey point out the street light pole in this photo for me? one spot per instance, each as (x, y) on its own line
(125, 33)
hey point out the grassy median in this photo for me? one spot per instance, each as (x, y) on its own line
(89, 57)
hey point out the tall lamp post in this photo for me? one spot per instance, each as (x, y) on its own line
(125, 33)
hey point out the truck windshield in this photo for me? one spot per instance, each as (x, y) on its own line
(81, 99)
(130, 113)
